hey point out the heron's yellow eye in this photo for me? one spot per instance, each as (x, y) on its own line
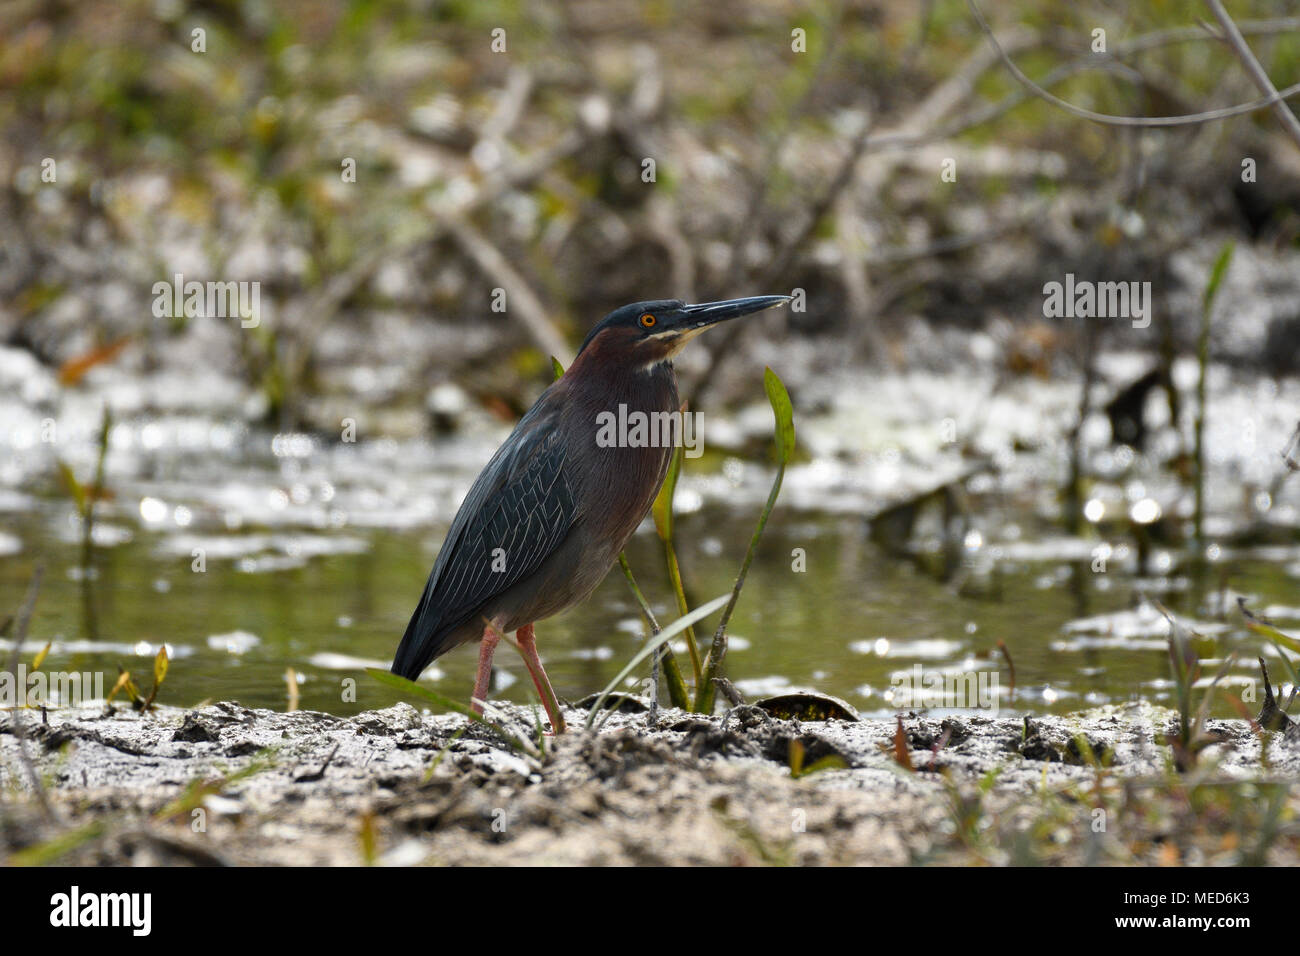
(648, 321)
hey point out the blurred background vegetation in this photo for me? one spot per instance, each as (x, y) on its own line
(521, 170)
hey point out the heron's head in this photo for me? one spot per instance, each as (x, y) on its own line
(646, 333)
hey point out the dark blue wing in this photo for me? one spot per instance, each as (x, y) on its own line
(516, 514)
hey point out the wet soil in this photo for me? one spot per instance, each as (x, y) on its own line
(229, 784)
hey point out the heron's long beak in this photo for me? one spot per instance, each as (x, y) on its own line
(695, 317)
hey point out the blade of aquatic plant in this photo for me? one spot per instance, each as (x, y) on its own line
(159, 675)
(367, 839)
(1272, 715)
(663, 504)
(783, 413)
(415, 690)
(75, 487)
(798, 769)
(1279, 640)
(779, 399)
(1011, 666)
(829, 762)
(663, 517)
(1203, 712)
(1217, 273)
(84, 495)
(43, 854)
(201, 787)
(636, 591)
(1290, 670)
(21, 622)
(677, 694)
(538, 729)
(123, 683)
(96, 490)
(1183, 663)
(667, 634)
(1267, 628)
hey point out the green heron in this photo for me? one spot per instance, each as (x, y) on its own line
(549, 514)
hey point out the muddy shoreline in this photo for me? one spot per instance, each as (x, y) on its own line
(229, 784)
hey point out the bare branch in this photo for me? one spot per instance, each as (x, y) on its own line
(1108, 119)
(897, 139)
(524, 303)
(1238, 43)
(509, 108)
(320, 308)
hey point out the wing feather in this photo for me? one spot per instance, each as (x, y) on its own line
(522, 504)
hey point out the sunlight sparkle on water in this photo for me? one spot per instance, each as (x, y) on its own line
(1145, 511)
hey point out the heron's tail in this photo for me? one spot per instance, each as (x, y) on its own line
(419, 645)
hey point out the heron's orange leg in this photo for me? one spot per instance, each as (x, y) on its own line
(486, 647)
(528, 649)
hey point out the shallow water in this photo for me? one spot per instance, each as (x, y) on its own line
(315, 552)
(854, 619)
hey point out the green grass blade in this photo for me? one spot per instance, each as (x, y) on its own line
(779, 399)
(43, 854)
(667, 634)
(783, 414)
(1286, 662)
(75, 488)
(636, 591)
(1217, 272)
(663, 517)
(672, 674)
(663, 506)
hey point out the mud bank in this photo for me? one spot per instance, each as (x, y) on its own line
(227, 784)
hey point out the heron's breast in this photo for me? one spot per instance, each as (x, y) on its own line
(624, 442)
